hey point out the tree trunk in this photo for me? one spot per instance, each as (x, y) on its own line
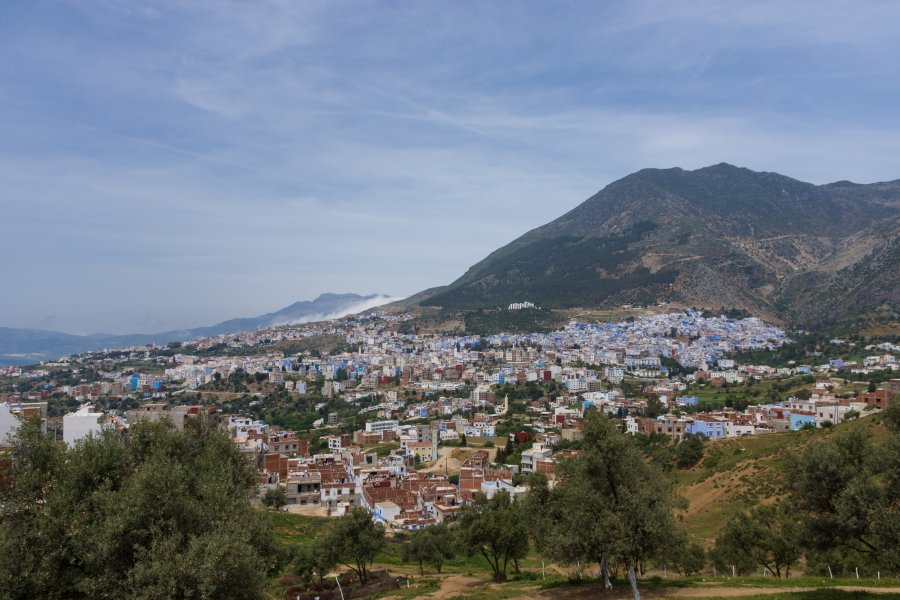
(633, 579)
(604, 572)
(495, 564)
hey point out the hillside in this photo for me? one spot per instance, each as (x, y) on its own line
(735, 475)
(717, 237)
(739, 473)
(25, 346)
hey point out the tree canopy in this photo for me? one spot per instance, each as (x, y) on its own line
(431, 545)
(769, 536)
(849, 489)
(354, 541)
(165, 514)
(609, 504)
(495, 528)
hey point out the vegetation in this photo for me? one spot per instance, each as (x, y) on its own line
(609, 505)
(540, 269)
(495, 528)
(769, 536)
(432, 545)
(275, 498)
(490, 322)
(850, 492)
(354, 541)
(689, 452)
(167, 515)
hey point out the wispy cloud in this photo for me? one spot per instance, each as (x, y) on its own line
(199, 160)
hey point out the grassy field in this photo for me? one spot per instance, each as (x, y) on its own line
(298, 530)
(829, 594)
(383, 450)
(738, 473)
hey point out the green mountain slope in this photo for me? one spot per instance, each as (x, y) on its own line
(718, 237)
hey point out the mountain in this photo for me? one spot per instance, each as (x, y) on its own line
(26, 346)
(718, 237)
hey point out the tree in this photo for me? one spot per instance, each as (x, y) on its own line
(891, 415)
(495, 528)
(655, 407)
(156, 517)
(609, 505)
(689, 452)
(416, 550)
(462, 440)
(850, 494)
(691, 559)
(313, 561)
(432, 545)
(355, 540)
(769, 536)
(275, 498)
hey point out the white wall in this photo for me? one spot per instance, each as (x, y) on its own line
(8, 422)
(80, 424)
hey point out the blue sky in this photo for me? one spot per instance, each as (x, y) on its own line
(167, 164)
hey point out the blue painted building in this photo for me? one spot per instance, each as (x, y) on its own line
(798, 421)
(714, 430)
(687, 401)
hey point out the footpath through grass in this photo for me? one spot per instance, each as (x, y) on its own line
(823, 594)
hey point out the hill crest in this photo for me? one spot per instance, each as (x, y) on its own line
(720, 237)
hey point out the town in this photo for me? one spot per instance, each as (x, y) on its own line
(412, 427)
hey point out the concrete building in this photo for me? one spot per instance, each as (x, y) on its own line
(12, 412)
(531, 457)
(82, 423)
(376, 426)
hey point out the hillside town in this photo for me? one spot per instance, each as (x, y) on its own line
(411, 426)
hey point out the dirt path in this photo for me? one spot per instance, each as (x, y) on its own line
(624, 593)
(453, 585)
(458, 585)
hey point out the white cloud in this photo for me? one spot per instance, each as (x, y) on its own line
(255, 153)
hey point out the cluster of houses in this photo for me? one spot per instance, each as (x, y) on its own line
(423, 391)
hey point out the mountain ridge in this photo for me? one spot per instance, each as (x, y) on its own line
(26, 346)
(720, 236)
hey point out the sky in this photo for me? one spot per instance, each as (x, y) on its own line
(167, 164)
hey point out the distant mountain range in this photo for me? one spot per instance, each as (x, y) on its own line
(27, 346)
(717, 237)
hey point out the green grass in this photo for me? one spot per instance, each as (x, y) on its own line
(788, 582)
(293, 529)
(383, 450)
(757, 393)
(417, 587)
(750, 470)
(819, 595)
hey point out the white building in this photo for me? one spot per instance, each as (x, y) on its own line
(8, 422)
(81, 424)
(376, 426)
(532, 456)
